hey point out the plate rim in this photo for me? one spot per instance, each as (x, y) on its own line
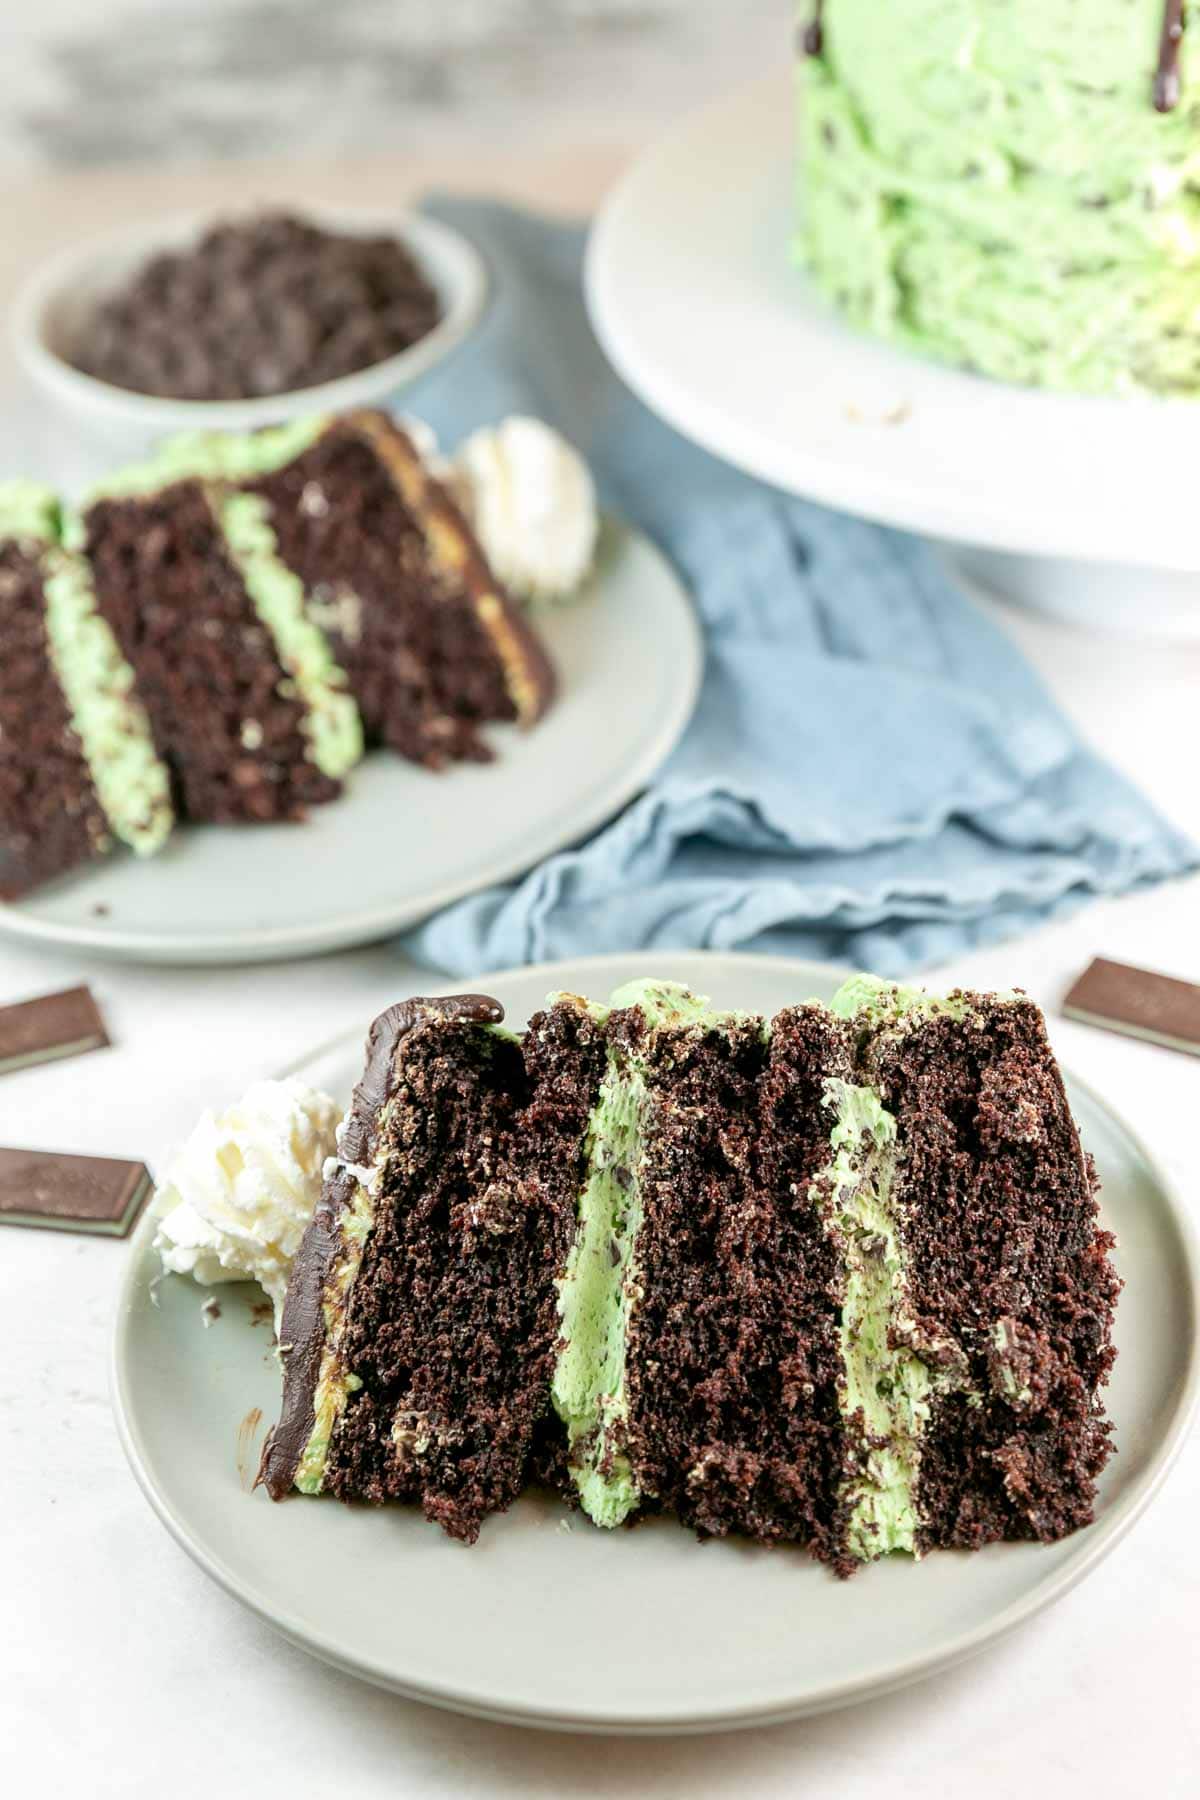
(882, 1678)
(913, 504)
(275, 944)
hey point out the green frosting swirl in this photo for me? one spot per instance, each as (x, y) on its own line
(109, 720)
(332, 723)
(990, 183)
(883, 1381)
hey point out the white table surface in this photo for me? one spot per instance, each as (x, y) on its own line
(123, 1671)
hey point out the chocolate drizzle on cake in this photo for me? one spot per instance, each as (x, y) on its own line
(812, 37)
(1166, 77)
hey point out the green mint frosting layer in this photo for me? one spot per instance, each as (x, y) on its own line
(599, 1288)
(882, 1379)
(990, 183)
(97, 683)
(28, 511)
(332, 721)
(668, 1004)
(876, 1004)
(110, 722)
(596, 1292)
(213, 456)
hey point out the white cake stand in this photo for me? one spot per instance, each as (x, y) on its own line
(1080, 506)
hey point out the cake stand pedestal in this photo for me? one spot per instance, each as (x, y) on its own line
(1119, 599)
(1080, 506)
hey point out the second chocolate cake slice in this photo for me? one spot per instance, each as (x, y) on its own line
(419, 1329)
(699, 1367)
(433, 646)
(978, 1289)
(836, 1278)
(246, 702)
(331, 546)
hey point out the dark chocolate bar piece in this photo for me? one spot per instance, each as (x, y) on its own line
(50, 1027)
(71, 1193)
(1118, 997)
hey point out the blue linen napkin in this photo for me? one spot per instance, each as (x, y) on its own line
(873, 775)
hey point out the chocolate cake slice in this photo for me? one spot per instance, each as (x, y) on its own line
(980, 1293)
(385, 568)
(419, 1328)
(78, 771)
(247, 705)
(833, 1279)
(699, 1367)
(855, 1292)
(432, 644)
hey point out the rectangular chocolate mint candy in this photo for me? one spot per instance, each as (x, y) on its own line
(71, 1193)
(50, 1027)
(1118, 997)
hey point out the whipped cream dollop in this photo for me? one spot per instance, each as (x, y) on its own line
(239, 1193)
(532, 502)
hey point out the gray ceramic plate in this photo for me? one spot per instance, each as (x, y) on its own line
(401, 842)
(547, 1621)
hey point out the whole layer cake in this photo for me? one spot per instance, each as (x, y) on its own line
(834, 1278)
(1009, 184)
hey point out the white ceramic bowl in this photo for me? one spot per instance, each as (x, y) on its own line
(51, 308)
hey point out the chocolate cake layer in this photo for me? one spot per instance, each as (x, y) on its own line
(802, 1277)
(1008, 1274)
(444, 1351)
(445, 1304)
(565, 1055)
(328, 1248)
(732, 1356)
(224, 713)
(51, 819)
(432, 646)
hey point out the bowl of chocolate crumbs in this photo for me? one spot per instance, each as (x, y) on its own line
(232, 322)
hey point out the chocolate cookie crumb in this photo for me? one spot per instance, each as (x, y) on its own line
(259, 306)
